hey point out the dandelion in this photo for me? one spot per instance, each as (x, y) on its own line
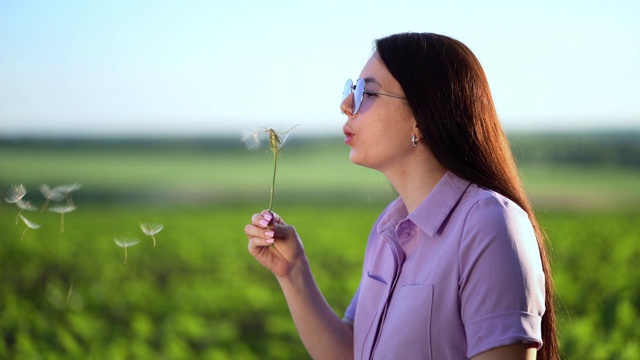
(50, 195)
(16, 193)
(24, 205)
(15, 196)
(62, 209)
(66, 191)
(151, 230)
(125, 243)
(276, 141)
(30, 225)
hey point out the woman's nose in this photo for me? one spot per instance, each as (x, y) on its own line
(345, 105)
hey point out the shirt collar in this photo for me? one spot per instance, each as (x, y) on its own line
(434, 209)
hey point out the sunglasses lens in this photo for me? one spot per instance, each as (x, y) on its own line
(358, 94)
(348, 87)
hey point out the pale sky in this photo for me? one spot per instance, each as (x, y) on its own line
(209, 67)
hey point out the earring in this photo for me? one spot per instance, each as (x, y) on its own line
(414, 140)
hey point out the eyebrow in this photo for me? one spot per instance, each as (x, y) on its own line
(368, 80)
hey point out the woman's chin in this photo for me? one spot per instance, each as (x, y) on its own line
(353, 156)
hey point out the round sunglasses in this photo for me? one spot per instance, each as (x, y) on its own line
(358, 91)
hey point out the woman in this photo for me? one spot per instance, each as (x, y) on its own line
(456, 266)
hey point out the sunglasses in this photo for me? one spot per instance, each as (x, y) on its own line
(358, 91)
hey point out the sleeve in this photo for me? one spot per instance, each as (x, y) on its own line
(502, 285)
(350, 313)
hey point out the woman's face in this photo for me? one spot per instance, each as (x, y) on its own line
(380, 133)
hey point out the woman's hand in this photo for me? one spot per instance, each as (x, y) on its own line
(277, 246)
(273, 243)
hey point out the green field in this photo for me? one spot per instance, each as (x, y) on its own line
(180, 173)
(199, 294)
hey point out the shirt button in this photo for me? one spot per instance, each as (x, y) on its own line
(404, 231)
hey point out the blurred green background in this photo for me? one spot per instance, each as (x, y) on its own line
(199, 294)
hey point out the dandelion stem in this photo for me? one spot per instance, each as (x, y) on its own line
(69, 293)
(18, 216)
(61, 223)
(273, 181)
(275, 143)
(125, 243)
(154, 240)
(24, 232)
(44, 206)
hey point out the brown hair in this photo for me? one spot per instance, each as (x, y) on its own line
(449, 95)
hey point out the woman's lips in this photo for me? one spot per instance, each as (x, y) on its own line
(348, 135)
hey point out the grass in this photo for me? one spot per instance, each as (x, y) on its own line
(199, 294)
(582, 187)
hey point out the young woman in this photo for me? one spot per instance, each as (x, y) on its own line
(456, 266)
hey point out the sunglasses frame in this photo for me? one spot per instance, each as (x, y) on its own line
(358, 90)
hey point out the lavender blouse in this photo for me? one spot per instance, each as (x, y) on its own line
(458, 276)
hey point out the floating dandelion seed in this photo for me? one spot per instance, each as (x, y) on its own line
(125, 243)
(24, 205)
(252, 139)
(276, 141)
(66, 191)
(151, 230)
(16, 193)
(30, 225)
(62, 209)
(67, 188)
(50, 195)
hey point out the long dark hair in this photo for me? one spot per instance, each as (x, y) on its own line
(449, 95)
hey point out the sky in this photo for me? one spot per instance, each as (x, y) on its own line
(150, 67)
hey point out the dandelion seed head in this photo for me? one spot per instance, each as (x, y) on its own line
(278, 138)
(25, 205)
(275, 139)
(151, 229)
(62, 209)
(30, 224)
(16, 193)
(125, 242)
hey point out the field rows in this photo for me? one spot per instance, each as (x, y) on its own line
(320, 172)
(199, 294)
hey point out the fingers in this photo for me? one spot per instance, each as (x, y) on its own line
(262, 218)
(259, 236)
(266, 219)
(259, 231)
(272, 217)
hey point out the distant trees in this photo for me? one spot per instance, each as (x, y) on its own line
(614, 148)
(584, 149)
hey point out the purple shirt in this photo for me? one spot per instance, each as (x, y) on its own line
(458, 276)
